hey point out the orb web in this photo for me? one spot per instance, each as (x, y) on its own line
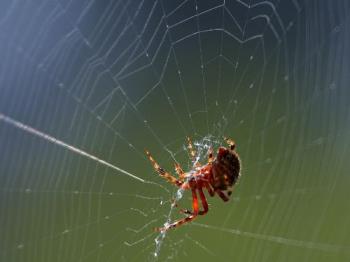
(87, 86)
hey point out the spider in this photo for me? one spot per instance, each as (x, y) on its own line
(217, 176)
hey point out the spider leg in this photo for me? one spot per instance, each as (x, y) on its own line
(210, 155)
(162, 172)
(204, 204)
(230, 142)
(192, 152)
(192, 216)
(180, 172)
(191, 149)
(222, 195)
(209, 189)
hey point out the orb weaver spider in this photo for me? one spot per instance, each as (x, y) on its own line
(218, 175)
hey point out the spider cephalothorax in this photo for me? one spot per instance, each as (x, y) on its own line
(218, 176)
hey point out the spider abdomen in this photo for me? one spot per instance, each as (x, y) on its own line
(225, 170)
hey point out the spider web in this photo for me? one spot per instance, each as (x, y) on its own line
(87, 86)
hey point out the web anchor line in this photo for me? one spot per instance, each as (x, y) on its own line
(58, 142)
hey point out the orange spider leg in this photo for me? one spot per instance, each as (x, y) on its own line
(192, 151)
(180, 172)
(162, 172)
(204, 204)
(192, 216)
(210, 156)
(230, 142)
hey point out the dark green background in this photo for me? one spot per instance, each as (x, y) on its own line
(113, 78)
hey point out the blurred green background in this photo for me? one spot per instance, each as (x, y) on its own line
(113, 78)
